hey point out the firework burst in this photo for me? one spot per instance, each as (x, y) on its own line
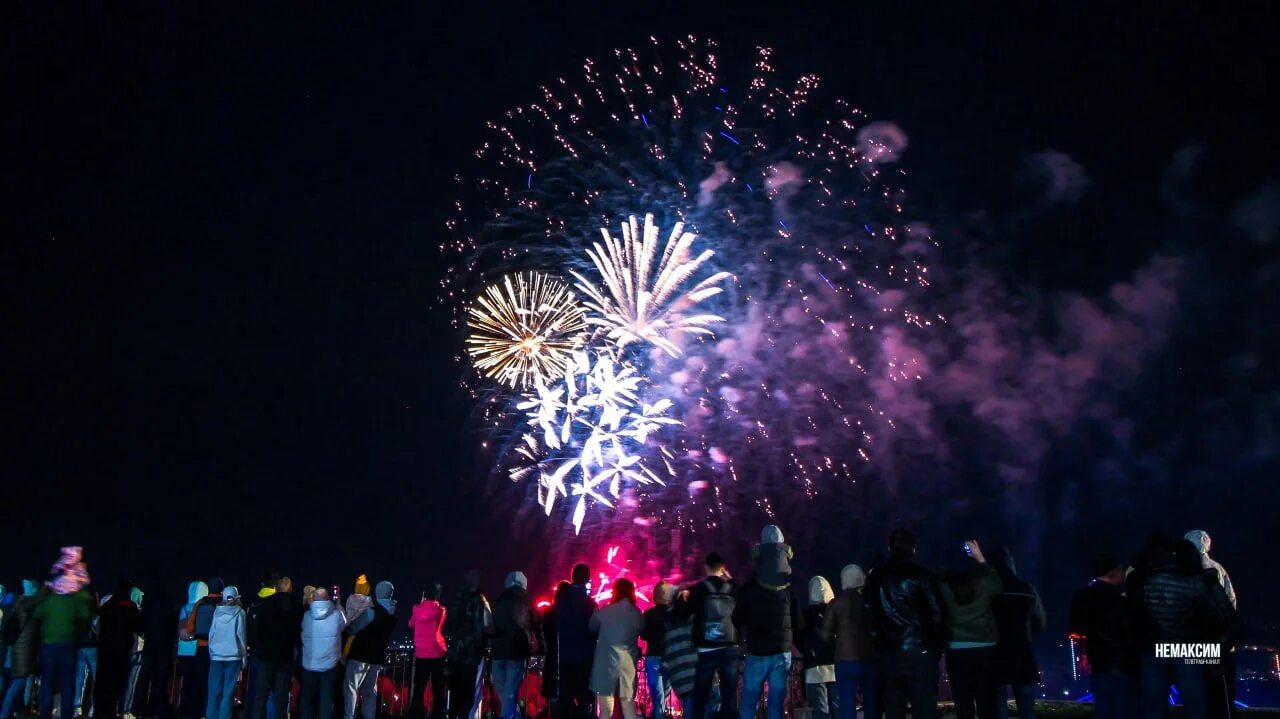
(524, 328)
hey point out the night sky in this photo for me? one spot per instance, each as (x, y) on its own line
(222, 348)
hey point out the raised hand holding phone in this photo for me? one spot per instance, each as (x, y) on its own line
(973, 550)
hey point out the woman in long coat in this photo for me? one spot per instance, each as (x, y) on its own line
(613, 673)
(24, 633)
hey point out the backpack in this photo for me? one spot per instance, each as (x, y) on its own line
(717, 615)
(204, 618)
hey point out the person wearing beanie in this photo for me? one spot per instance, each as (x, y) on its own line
(845, 628)
(429, 648)
(322, 627)
(358, 602)
(511, 641)
(367, 652)
(655, 645)
(773, 559)
(228, 652)
(470, 620)
(819, 652)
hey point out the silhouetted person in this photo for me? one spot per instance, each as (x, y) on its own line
(904, 618)
(119, 623)
(971, 636)
(575, 644)
(273, 628)
(1100, 613)
(710, 604)
(1019, 616)
(511, 641)
(466, 626)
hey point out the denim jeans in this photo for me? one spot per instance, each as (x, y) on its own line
(1158, 674)
(57, 666)
(1114, 695)
(850, 677)
(13, 697)
(222, 688)
(271, 683)
(971, 673)
(507, 675)
(722, 662)
(361, 685)
(86, 670)
(657, 686)
(774, 670)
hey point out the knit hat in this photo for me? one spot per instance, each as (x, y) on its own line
(363, 586)
(517, 579)
(771, 535)
(852, 577)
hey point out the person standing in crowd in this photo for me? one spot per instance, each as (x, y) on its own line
(971, 636)
(228, 652)
(551, 662)
(511, 641)
(1019, 616)
(119, 623)
(367, 651)
(844, 625)
(322, 627)
(193, 660)
(680, 659)
(159, 618)
(1100, 613)
(711, 603)
(64, 618)
(359, 601)
(820, 652)
(771, 619)
(655, 645)
(1172, 603)
(575, 645)
(429, 650)
(22, 637)
(469, 621)
(87, 667)
(1220, 691)
(273, 628)
(613, 670)
(904, 617)
(135, 657)
(7, 601)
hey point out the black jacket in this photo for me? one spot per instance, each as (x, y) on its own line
(1171, 605)
(654, 633)
(513, 625)
(119, 622)
(574, 640)
(274, 628)
(769, 618)
(1100, 613)
(819, 651)
(903, 609)
(694, 606)
(1019, 615)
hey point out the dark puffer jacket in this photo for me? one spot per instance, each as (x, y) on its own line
(819, 648)
(1100, 612)
(513, 625)
(1172, 605)
(572, 612)
(770, 618)
(902, 607)
(1019, 615)
(273, 628)
(27, 637)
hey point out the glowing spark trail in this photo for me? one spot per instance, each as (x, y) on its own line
(523, 328)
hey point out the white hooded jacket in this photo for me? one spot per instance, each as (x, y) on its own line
(226, 634)
(1202, 540)
(322, 627)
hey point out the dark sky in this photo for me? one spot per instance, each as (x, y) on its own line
(221, 352)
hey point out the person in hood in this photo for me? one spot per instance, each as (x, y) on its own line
(470, 620)
(1202, 542)
(228, 652)
(820, 651)
(64, 619)
(193, 661)
(655, 645)
(772, 622)
(1100, 613)
(903, 612)
(844, 628)
(151, 691)
(1019, 616)
(1220, 692)
(358, 602)
(613, 671)
(511, 641)
(773, 559)
(429, 649)
(710, 605)
(119, 623)
(367, 651)
(972, 635)
(322, 627)
(273, 626)
(679, 656)
(575, 644)
(22, 637)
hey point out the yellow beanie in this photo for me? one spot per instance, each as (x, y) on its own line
(362, 585)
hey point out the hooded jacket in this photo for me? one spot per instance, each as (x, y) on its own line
(25, 632)
(322, 627)
(572, 612)
(770, 619)
(968, 597)
(1100, 612)
(187, 643)
(844, 624)
(1019, 615)
(819, 649)
(1202, 540)
(513, 625)
(227, 634)
(1173, 605)
(902, 608)
(273, 628)
(427, 622)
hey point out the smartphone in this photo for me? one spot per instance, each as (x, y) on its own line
(967, 549)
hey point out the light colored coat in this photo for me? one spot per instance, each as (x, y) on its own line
(322, 627)
(618, 626)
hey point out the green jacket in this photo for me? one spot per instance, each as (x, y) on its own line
(973, 622)
(64, 617)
